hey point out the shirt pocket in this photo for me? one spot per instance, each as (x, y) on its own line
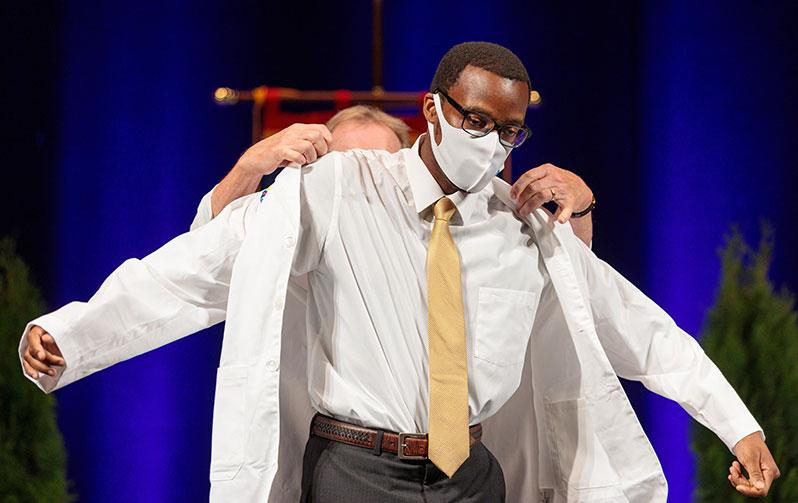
(229, 423)
(504, 324)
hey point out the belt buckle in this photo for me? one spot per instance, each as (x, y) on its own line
(400, 449)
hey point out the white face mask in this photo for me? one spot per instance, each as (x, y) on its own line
(468, 162)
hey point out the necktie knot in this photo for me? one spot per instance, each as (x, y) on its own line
(444, 209)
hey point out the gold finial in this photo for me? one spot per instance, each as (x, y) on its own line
(225, 96)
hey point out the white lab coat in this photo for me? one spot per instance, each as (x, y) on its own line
(569, 431)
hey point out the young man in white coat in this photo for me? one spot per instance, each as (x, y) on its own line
(358, 225)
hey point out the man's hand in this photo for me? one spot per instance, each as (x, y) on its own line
(755, 456)
(41, 353)
(550, 183)
(294, 146)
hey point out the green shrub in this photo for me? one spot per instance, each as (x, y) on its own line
(752, 335)
(32, 459)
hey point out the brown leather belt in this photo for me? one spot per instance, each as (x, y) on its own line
(411, 446)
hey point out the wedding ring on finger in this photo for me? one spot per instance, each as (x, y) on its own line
(553, 194)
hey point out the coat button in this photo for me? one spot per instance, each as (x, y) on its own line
(278, 304)
(273, 365)
(289, 241)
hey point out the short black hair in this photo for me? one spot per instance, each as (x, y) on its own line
(491, 57)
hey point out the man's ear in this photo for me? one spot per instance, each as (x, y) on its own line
(428, 109)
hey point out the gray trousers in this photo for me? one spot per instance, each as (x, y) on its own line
(334, 472)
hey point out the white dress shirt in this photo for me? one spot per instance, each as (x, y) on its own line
(366, 230)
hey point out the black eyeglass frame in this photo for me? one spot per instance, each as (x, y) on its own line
(496, 126)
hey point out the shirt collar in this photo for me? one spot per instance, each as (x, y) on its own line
(426, 190)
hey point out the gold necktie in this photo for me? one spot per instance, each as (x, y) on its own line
(448, 370)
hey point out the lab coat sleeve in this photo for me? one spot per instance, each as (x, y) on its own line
(204, 212)
(177, 290)
(643, 343)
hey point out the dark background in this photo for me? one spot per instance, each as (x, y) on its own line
(681, 117)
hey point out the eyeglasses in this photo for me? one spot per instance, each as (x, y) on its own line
(478, 125)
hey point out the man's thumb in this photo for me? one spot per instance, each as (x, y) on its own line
(755, 472)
